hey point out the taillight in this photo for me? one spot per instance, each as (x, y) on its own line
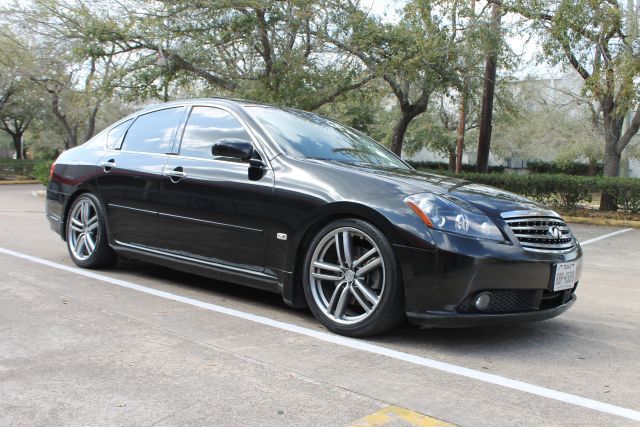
(53, 169)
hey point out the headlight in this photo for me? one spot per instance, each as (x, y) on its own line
(442, 214)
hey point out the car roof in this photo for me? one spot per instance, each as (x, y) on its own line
(210, 100)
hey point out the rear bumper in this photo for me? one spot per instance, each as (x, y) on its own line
(55, 206)
(462, 320)
(55, 224)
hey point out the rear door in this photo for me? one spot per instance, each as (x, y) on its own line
(132, 176)
(210, 209)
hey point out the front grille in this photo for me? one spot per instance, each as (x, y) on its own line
(536, 234)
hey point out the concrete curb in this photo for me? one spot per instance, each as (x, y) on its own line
(18, 182)
(602, 221)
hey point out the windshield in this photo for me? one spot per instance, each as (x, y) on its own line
(308, 136)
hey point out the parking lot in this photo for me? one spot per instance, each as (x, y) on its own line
(143, 345)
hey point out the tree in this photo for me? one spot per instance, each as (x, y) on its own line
(471, 37)
(526, 135)
(58, 72)
(484, 137)
(412, 56)
(16, 107)
(15, 118)
(599, 40)
(75, 101)
(438, 129)
(257, 49)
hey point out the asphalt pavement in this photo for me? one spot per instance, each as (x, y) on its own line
(144, 345)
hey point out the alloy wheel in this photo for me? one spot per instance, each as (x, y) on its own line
(347, 275)
(83, 229)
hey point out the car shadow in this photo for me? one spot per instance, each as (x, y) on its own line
(500, 339)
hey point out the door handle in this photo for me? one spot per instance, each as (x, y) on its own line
(108, 165)
(177, 174)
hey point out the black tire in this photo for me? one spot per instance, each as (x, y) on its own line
(389, 311)
(102, 256)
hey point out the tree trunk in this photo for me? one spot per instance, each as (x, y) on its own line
(72, 138)
(611, 168)
(452, 159)
(18, 146)
(593, 167)
(460, 134)
(484, 139)
(398, 133)
(612, 131)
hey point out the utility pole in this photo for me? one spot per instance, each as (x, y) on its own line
(484, 139)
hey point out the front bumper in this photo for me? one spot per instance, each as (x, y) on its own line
(463, 320)
(439, 283)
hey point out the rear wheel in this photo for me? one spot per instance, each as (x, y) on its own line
(351, 281)
(87, 235)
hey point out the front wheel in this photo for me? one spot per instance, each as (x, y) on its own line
(87, 234)
(352, 281)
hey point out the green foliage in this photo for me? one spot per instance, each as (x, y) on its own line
(440, 166)
(625, 190)
(41, 171)
(567, 168)
(12, 169)
(563, 191)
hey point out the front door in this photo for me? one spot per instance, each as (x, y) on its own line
(131, 177)
(210, 209)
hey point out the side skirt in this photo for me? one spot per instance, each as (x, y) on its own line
(211, 270)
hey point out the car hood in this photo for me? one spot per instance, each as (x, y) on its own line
(490, 200)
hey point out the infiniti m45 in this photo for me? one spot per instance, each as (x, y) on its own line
(294, 203)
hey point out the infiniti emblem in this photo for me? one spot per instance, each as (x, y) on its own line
(555, 232)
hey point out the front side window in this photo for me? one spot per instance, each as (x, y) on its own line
(114, 136)
(153, 132)
(309, 136)
(206, 126)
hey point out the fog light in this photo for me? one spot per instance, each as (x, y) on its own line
(482, 301)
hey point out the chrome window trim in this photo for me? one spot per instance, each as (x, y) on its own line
(146, 112)
(254, 140)
(118, 143)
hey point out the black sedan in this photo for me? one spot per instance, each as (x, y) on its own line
(291, 202)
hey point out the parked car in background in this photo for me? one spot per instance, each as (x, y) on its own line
(291, 202)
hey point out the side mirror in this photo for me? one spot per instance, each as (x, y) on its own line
(233, 148)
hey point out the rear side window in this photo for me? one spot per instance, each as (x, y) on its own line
(206, 126)
(114, 136)
(153, 132)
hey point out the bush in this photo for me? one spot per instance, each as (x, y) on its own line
(12, 168)
(563, 191)
(441, 166)
(42, 170)
(626, 192)
(568, 168)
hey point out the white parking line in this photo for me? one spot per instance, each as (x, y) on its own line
(606, 236)
(351, 343)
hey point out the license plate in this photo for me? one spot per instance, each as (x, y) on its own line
(565, 276)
